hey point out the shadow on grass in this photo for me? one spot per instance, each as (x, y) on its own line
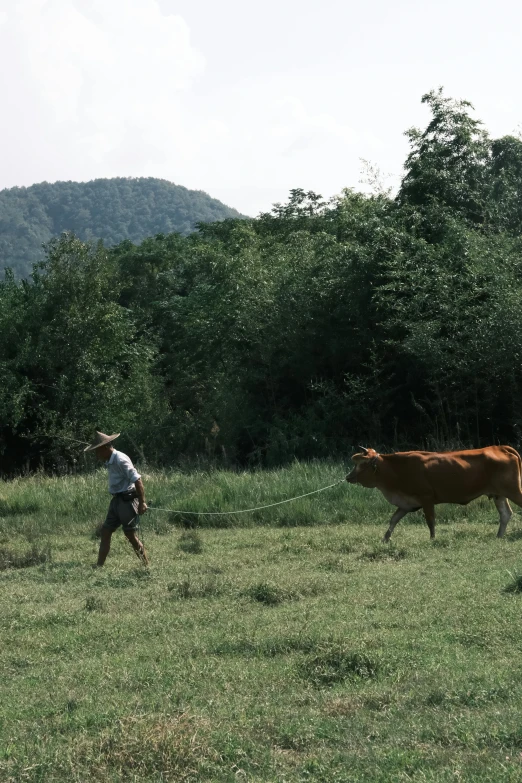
(335, 663)
(270, 594)
(514, 535)
(190, 542)
(267, 593)
(476, 695)
(34, 556)
(515, 586)
(440, 543)
(297, 519)
(119, 581)
(187, 588)
(334, 564)
(15, 509)
(383, 552)
(96, 533)
(94, 604)
(267, 648)
(192, 521)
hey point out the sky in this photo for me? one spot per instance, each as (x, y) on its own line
(244, 100)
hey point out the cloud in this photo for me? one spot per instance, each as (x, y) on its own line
(101, 88)
(303, 130)
(274, 143)
(99, 77)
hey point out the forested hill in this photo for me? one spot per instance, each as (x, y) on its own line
(108, 209)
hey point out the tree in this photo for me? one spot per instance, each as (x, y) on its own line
(505, 202)
(448, 164)
(72, 355)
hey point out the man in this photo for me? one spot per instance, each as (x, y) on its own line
(128, 496)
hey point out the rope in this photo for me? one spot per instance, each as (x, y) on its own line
(140, 536)
(245, 510)
(140, 532)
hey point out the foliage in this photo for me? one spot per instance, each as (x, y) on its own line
(71, 355)
(322, 324)
(448, 162)
(109, 209)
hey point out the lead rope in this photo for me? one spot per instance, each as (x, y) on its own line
(141, 538)
(245, 510)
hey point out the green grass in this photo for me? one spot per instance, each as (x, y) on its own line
(278, 647)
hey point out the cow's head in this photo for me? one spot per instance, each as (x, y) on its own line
(365, 470)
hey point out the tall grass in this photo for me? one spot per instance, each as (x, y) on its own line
(41, 505)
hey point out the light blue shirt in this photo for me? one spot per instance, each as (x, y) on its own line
(122, 473)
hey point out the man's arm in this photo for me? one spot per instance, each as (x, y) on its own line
(140, 489)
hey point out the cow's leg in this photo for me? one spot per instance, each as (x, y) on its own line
(504, 510)
(429, 515)
(399, 514)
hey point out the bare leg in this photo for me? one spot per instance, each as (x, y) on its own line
(105, 545)
(137, 545)
(429, 514)
(399, 514)
(504, 510)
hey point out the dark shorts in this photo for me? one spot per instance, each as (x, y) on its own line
(122, 512)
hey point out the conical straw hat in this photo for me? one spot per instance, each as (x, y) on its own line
(101, 439)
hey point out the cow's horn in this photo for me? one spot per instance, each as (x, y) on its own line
(364, 449)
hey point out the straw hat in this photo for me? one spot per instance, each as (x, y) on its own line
(101, 439)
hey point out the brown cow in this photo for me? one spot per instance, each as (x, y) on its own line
(412, 480)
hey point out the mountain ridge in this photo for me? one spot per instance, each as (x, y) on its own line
(110, 209)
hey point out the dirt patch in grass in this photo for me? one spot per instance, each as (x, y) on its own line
(137, 747)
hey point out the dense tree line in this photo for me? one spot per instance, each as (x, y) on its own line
(107, 209)
(389, 321)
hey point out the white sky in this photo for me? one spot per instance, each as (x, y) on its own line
(244, 100)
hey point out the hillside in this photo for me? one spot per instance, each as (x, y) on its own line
(108, 209)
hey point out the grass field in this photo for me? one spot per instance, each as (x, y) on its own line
(283, 646)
